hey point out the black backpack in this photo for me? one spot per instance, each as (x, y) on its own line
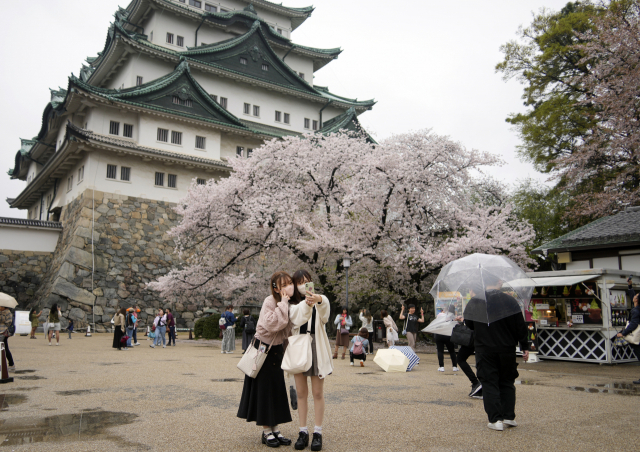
(130, 322)
(250, 325)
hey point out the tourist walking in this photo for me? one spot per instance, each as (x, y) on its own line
(443, 341)
(264, 398)
(119, 329)
(6, 320)
(343, 324)
(54, 323)
(359, 344)
(135, 328)
(171, 325)
(411, 324)
(367, 323)
(248, 325)
(130, 322)
(495, 345)
(70, 327)
(160, 322)
(34, 318)
(309, 313)
(229, 334)
(634, 323)
(391, 327)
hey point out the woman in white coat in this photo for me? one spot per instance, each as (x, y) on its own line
(305, 307)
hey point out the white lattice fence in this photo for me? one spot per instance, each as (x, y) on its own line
(572, 344)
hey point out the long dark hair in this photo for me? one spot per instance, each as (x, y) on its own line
(33, 311)
(298, 277)
(54, 308)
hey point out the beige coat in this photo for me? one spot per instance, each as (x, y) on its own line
(301, 313)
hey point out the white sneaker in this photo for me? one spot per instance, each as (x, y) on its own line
(11, 368)
(509, 423)
(137, 343)
(57, 343)
(164, 346)
(496, 426)
(49, 344)
(152, 346)
(351, 364)
(440, 369)
(455, 369)
(222, 351)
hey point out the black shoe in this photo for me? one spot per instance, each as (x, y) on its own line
(637, 382)
(281, 439)
(475, 388)
(270, 442)
(303, 441)
(316, 444)
(478, 395)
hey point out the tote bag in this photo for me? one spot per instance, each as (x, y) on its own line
(392, 335)
(298, 357)
(462, 335)
(634, 336)
(253, 359)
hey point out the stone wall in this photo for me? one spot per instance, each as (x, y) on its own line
(21, 273)
(131, 247)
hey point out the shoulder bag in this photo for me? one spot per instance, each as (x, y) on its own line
(253, 359)
(406, 322)
(298, 357)
(462, 335)
(634, 336)
(222, 323)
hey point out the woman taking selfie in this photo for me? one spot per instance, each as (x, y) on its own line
(307, 306)
(343, 325)
(264, 398)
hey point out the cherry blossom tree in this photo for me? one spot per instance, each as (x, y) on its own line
(400, 210)
(605, 168)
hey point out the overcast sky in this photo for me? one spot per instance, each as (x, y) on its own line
(429, 64)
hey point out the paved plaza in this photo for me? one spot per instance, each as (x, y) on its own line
(85, 396)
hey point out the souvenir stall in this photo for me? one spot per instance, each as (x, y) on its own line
(573, 314)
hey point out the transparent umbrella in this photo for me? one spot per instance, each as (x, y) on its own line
(497, 287)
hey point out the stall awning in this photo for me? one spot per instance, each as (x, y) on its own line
(562, 280)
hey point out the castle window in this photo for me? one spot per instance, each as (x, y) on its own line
(249, 152)
(160, 179)
(114, 128)
(239, 151)
(315, 125)
(138, 80)
(201, 181)
(210, 8)
(301, 74)
(111, 171)
(201, 142)
(278, 116)
(265, 67)
(185, 102)
(214, 97)
(180, 41)
(69, 184)
(287, 118)
(127, 131)
(151, 36)
(172, 181)
(224, 10)
(163, 135)
(306, 123)
(195, 3)
(169, 38)
(243, 61)
(125, 173)
(176, 137)
(256, 110)
(247, 109)
(279, 30)
(223, 102)
(80, 174)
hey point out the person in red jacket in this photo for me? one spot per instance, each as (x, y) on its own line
(171, 324)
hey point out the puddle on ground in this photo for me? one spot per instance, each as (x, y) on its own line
(31, 377)
(188, 374)
(624, 386)
(29, 388)
(7, 400)
(529, 383)
(609, 388)
(449, 403)
(365, 373)
(75, 392)
(24, 371)
(63, 427)
(226, 380)
(108, 364)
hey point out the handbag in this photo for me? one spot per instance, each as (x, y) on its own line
(634, 336)
(404, 331)
(392, 335)
(462, 335)
(253, 359)
(51, 325)
(222, 322)
(298, 357)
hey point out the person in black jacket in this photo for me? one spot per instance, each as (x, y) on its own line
(495, 344)
(634, 322)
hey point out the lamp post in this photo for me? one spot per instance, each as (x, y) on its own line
(346, 263)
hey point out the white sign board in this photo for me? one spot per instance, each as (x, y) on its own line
(23, 325)
(577, 318)
(542, 306)
(543, 322)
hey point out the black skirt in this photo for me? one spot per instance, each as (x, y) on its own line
(264, 398)
(117, 335)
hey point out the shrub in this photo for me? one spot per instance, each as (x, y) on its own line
(207, 327)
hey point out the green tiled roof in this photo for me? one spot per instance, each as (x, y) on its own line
(615, 230)
(346, 121)
(269, 130)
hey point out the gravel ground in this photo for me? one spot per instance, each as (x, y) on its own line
(86, 396)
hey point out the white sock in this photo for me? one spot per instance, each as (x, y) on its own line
(304, 429)
(317, 429)
(267, 431)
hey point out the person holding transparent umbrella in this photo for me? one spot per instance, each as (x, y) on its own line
(502, 292)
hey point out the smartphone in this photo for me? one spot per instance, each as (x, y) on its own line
(308, 287)
(263, 348)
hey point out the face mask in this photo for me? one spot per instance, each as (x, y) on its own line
(288, 290)
(302, 289)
